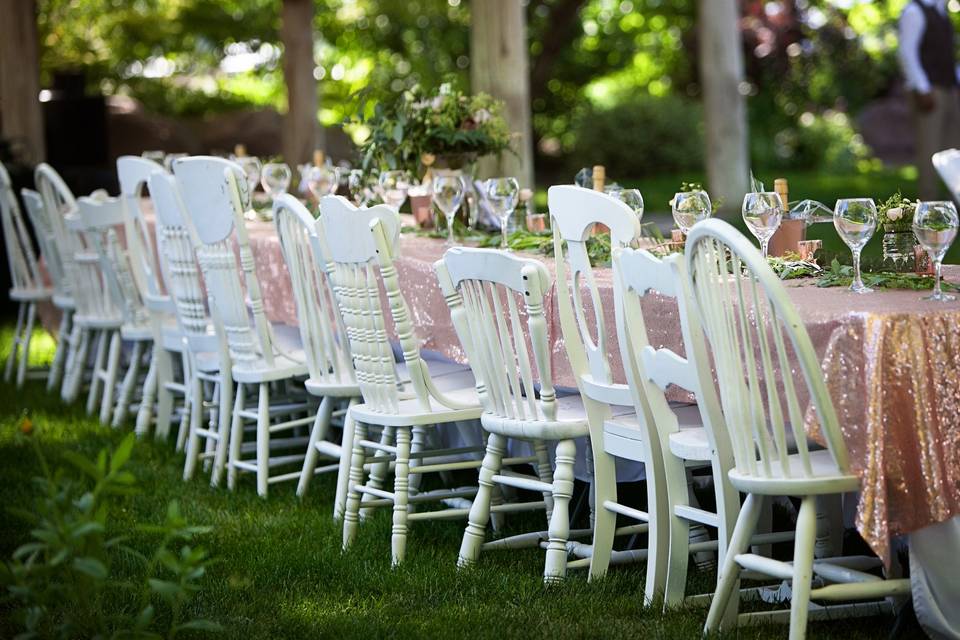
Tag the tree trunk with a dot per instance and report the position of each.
(500, 67)
(301, 133)
(721, 72)
(21, 117)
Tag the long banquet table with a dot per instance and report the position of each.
(891, 362)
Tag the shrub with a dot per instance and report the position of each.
(824, 141)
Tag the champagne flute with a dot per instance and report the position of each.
(855, 219)
(275, 178)
(762, 211)
(502, 194)
(393, 187)
(689, 208)
(447, 195)
(935, 225)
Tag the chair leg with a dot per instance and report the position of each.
(110, 384)
(803, 567)
(76, 364)
(729, 575)
(321, 427)
(678, 492)
(545, 473)
(193, 439)
(130, 379)
(417, 445)
(378, 470)
(25, 342)
(351, 514)
(346, 453)
(148, 396)
(99, 364)
(182, 428)
(12, 357)
(829, 526)
(401, 493)
(555, 568)
(604, 486)
(479, 517)
(263, 440)
(224, 415)
(60, 354)
(236, 433)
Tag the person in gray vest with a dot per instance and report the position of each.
(928, 57)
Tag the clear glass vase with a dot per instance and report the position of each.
(898, 251)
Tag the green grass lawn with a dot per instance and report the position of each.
(279, 571)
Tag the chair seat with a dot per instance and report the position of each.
(136, 332)
(624, 437)
(571, 421)
(64, 302)
(691, 443)
(98, 322)
(827, 479)
(30, 295)
(411, 413)
(284, 366)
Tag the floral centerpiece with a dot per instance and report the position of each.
(446, 128)
(895, 217)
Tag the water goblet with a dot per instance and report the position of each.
(322, 181)
(251, 169)
(393, 187)
(689, 208)
(633, 199)
(275, 179)
(502, 194)
(935, 225)
(447, 195)
(358, 184)
(762, 211)
(855, 219)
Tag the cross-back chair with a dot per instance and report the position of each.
(26, 278)
(515, 386)
(360, 245)
(325, 343)
(66, 370)
(216, 195)
(755, 332)
(205, 358)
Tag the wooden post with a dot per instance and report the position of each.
(500, 66)
(721, 73)
(301, 132)
(21, 117)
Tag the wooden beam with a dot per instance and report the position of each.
(301, 132)
(721, 74)
(500, 66)
(21, 118)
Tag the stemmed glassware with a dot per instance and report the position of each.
(359, 184)
(322, 180)
(275, 178)
(689, 208)
(855, 219)
(447, 195)
(633, 199)
(502, 194)
(935, 225)
(393, 187)
(762, 211)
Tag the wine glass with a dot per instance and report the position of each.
(633, 199)
(447, 195)
(275, 178)
(393, 187)
(322, 180)
(689, 208)
(502, 194)
(855, 219)
(762, 211)
(935, 225)
(584, 178)
(359, 190)
(251, 169)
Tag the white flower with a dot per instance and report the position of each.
(525, 194)
(446, 89)
(481, 116)
(437, 103)
(894, 214)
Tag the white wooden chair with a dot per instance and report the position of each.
(28, 287)
(160, 384)
(325, 343)
(205, 358)
(67, 369)
(753, 330)
(360, 245)
(481, 287)
(947, 164)
(216, 196)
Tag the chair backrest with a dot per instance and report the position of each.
(481, 287)
(322, 331)
(134, 173)
(649, 370)
(25, 272)
(215, 194)
(98, 294)
(947, 164)
(178, 259)
(59, 202)
(361, 245)
(745, 312)
(574, 212)
(43, 229)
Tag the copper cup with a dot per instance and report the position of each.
(536, 222)
(808, 249)
(788, 237)
(422, 207)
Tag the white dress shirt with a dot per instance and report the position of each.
(912, 25)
